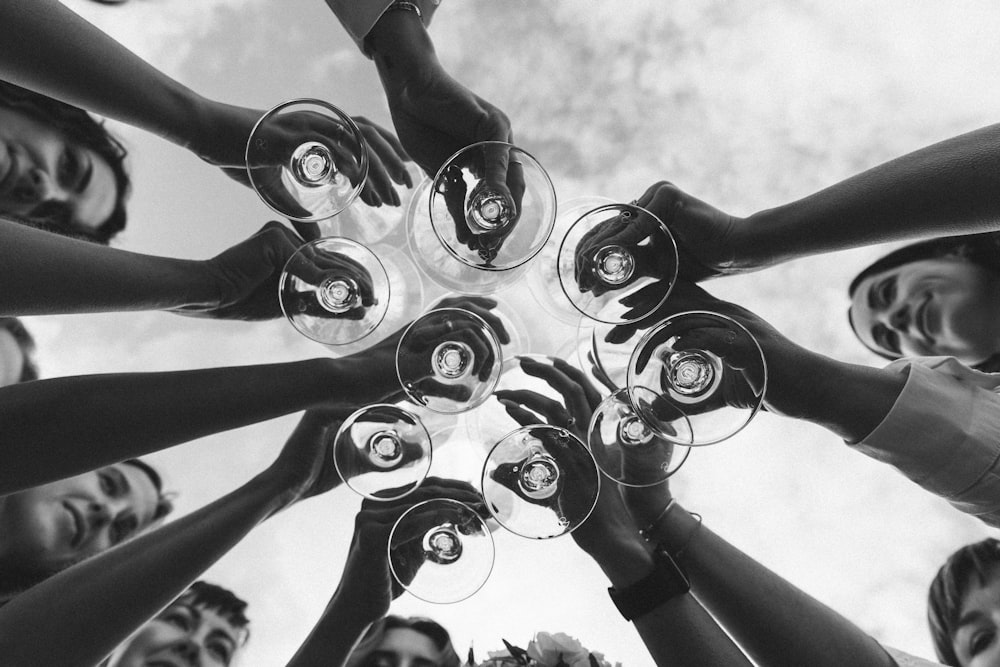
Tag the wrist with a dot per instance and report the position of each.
(624, 561)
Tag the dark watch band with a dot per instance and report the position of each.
(665, 582)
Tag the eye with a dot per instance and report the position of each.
(221, 650)
(886, 338)
(69, 166)
(122, 528)
(980, 641)
(112, 482)
(177, 618)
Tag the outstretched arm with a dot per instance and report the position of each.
(776, 623)
(124, 587)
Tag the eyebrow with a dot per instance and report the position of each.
(122, 480)
(968, 618)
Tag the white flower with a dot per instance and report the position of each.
(546, 649)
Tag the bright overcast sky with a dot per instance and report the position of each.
(745, 105)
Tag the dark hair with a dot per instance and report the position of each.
(973, 563)
(425, 626)
(979, 249)
(17, 578)
(82, 128)
(222, 601)
(25, 341)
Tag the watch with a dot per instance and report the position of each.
(665, 582)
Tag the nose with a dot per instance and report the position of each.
(98, 514)
(35, 185)
(899, 317)
(188, 651)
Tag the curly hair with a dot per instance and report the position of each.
(980, 249)
(972, 564)
(81, 128)
(432, 629)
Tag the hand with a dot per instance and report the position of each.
(653, 254)
(706, 237)
(305, 465)
(314, 267)
(246, 277)
(367, 578)
(228, 128)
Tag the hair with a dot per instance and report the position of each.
(82, 128)
(972, 564)
(980, 249)
(425, 626)
(222, 601)
(26, 342)
(17, 578)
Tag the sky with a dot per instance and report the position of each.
(744, 105)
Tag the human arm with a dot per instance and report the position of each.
(46, 47)
(776, 623)
(123, 587)
(944, 189)
(367, 587)
(678, 631)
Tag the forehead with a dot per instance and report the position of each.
(409, 643)
(209, 620)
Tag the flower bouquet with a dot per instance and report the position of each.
(545, 650)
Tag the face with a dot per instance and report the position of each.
(946, 306)
(403, 647)
(44, 175)
(977, 639)
(11, 359)
(183, 635)
(57, 524)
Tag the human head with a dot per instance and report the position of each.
(47, 528)
(17, 353)
(395, 641)
(963, 607)
(60, 170)
(205, 627)
(937, 297)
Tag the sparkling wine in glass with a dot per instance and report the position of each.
(540, 482)
(697, 378)
(441, 551)
(307, 160)
(334, 291)
(382, 452)
(612, 253)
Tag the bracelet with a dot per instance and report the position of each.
(647, 532)
(690, 537)
(407, 6)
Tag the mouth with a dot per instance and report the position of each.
(79, 525)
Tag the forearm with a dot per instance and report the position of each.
(945, 189)
(335, 635)
(64, 426)
(50, 49)
(44, 273)
(124, 587)
(679, 632)
(401, 48)
(775, 622)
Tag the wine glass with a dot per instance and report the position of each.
(540, 482)
(448, 360)
(334, 291)
(380, 448)
(609, 254)
(485, 215)
(441, 551)
(697, 378)
(376, 225)
(543, 274)
(307, 160)
(626, 449)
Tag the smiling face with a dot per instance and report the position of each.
(46, 176)
(976, 640)
(54, 525)
(185, 634)
(404, 647)
(944, 306)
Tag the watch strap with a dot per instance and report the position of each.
(665, 582)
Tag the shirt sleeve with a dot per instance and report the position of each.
(904, 659)
(359, 16)
(943, 432)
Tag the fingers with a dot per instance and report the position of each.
(592, 396)
(386, 146)
(519, 414)
(554, 412)
(574, 398)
